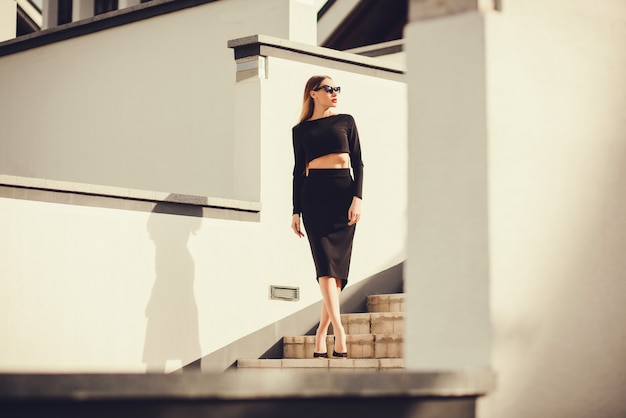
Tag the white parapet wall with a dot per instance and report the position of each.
(147, 105)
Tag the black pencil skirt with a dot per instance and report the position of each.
(326, 198)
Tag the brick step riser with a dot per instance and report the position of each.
(317, 365)
(367, 346)
(385, 303)
(373, 323)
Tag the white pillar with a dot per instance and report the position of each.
(8, 20)
(303, 21)
(447, 269)
(50, 13)
(82, 9)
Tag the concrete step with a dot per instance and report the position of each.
(386, 303)
(374, 323)
(330, 364)
(360, 346)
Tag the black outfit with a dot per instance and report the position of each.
(324, 196)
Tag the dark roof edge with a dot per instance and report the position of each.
(95, 24)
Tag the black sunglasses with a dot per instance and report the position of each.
(328, 89)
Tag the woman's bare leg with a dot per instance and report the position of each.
(331, 288)
(322, 331)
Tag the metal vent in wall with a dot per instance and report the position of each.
(284, 293)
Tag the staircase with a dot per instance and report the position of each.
(268, 389)
(375, 342)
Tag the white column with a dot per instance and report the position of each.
(447, 269)
(8, 20)
(82, 9)
(303, 21)
(122, 4)
(50, 13)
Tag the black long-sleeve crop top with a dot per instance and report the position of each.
(319, 137)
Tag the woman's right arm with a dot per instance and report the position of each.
(299, 168)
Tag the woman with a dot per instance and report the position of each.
(326, 145)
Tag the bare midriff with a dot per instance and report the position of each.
(337, 160)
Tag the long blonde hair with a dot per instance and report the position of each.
(307, 102)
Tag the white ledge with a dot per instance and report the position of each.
(247, 44)
(128, 194)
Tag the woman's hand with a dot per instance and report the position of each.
(295, 225)
(354, 213)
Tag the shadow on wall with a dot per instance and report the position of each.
(172, 333)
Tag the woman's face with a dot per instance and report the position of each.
(326, 94)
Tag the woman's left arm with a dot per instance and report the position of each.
(356, 161)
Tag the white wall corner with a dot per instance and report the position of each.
(247, 139)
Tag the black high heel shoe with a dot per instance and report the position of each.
(342, 355)
(320, 355)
